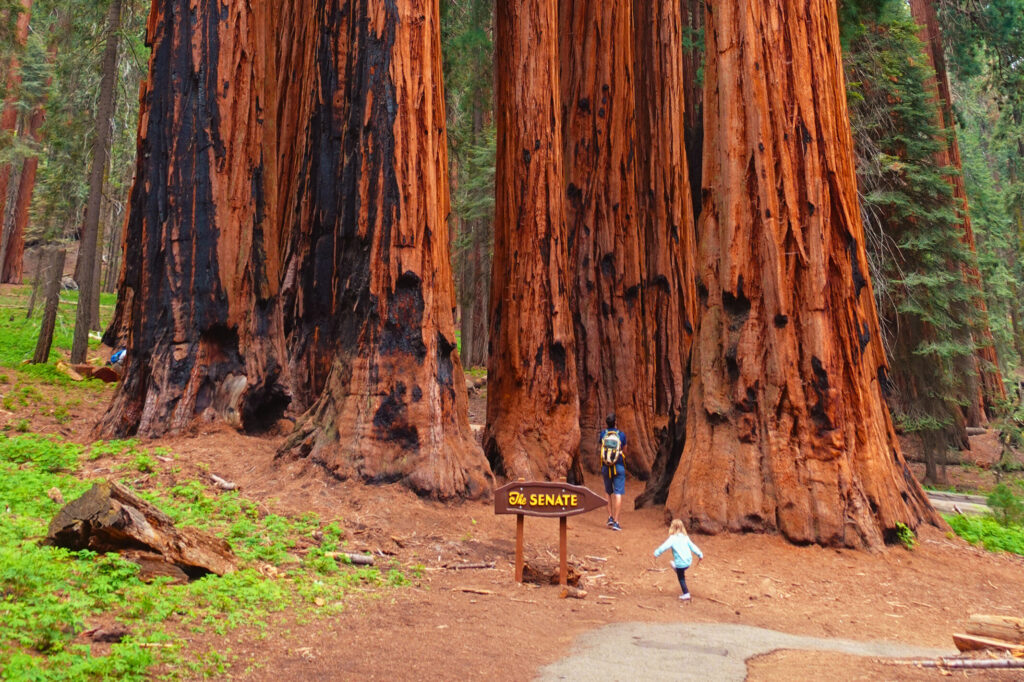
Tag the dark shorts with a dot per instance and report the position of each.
(616, 481)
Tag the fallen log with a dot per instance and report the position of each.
(109, 518)
(1005, 628)
(573, 592)
(966, 642)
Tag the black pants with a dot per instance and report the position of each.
(681, 574)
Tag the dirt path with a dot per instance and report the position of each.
(478, 623)
(696, 651)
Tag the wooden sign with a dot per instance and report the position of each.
(545, 498)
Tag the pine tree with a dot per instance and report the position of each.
(912, 224)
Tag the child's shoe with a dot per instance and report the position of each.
(684, 597)
(615, 525)
(610, 522)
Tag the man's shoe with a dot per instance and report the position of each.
(615, 526)
(684, 597)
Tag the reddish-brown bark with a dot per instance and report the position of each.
(605, 242)
(787, 428)
(203, 332)
(986, 364)
(376, 277)
(666, 219)
(9, 117)
(13, 267)
(532, 402)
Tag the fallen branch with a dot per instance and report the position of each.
(466, 567)
(475, 590)
(976, 663)
(223, 484)
(597, 558)
(575, 593)
(718, 601)
(357, 559)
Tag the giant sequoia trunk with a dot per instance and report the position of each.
(14, 255)
(605, 242)
(9, 124)
(373, 277)
(787, 428)
(532, 402)
(985, 365)
(666, 218)
(197, 304)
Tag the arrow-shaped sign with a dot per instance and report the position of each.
(545, 498)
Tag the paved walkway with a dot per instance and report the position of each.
(696, 651)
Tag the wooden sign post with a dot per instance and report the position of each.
(545, 498)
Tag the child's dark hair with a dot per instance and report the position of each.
(610, 420)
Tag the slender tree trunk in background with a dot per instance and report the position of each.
(605, 242)
(9, 117)
(692, 43)
(787, 428)
(35, 285)
(532, 403)
(97, 272)
(666, 218)
(114, 249)
(87, 289)
(986, 364)
(396, 383)
(54, 272)
(476, 280)
(201, 274)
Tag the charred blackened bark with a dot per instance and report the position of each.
(666, 218)
(373, 298)
(989, 382)
(605, 242)
(203, 332)
(787, 429)
(532, 403)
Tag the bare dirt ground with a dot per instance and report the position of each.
(478, 623)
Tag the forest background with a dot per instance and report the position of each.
(946, 272)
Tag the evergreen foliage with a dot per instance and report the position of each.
(914, 236)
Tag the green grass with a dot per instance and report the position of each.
(1003, 531)
(20, 334)
(989, 533)
(48, 595)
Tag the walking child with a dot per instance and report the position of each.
(683, 550)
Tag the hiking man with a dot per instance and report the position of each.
(613, 469)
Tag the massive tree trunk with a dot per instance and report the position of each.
(605, 245)
(986, 364)
(376, 278)
(88, 286)
(787, 428)
(666, 218)
(199, 284)
(533, 427)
